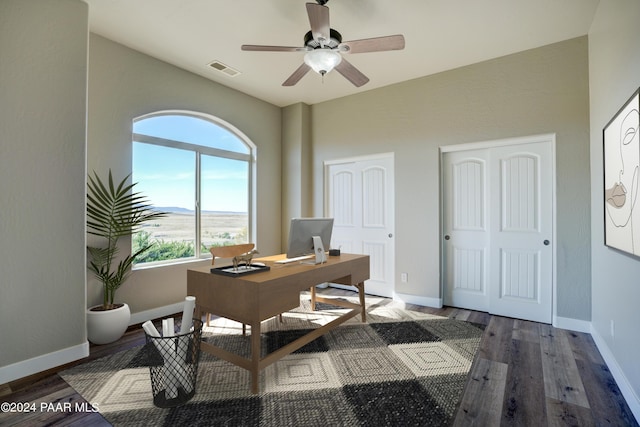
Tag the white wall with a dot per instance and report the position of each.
(43, 90)
(614, 74)
(539, 91)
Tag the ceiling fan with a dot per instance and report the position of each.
(323, 46)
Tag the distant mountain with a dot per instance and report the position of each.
(179, 210)
(172, 209)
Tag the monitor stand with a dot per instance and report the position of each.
(318, 249)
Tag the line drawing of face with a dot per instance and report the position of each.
(621, 197)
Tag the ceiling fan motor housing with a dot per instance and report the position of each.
(335, 38)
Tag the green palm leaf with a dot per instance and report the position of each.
(114, 211)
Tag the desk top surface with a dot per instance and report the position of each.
(280, 270)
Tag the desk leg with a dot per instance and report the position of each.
(255, 357)
(313, 298)
(360, 287)
(199, 312)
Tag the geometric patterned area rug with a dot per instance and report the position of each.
(401, 368)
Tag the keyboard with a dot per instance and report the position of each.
(295, 259)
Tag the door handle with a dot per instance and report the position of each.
(447, 237)
(390, 235)
(546, 243)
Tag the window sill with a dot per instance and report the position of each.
(160, 264)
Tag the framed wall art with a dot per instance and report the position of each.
(621, 178)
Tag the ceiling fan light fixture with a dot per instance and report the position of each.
(322, 60)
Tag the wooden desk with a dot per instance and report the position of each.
(256, 297)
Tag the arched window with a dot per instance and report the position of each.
(198, 169)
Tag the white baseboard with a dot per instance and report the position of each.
(623, 383)
(156, 313)
(51, 360)
(418, 300)
(42, 363)
(572, 324)
(403, 298)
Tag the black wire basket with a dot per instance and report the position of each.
(173, 366)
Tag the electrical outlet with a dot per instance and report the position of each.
(404, 277)
(613, 329)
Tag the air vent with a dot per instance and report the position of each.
(223, 68)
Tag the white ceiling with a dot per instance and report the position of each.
(440, 35)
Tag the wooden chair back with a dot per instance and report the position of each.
(230, 251)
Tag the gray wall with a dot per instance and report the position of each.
(43, 90)
(296, 159)
(543, 90)
(614, 74)
(125, 84)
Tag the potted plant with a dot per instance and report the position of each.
(113, 211)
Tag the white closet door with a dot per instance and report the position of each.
(466, 225)
(498, 224)
(522, 256)
(360, 198)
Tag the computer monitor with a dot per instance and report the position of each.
(302, 232)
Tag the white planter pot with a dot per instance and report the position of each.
(104, 327)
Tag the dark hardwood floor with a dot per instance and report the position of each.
(525, 374)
